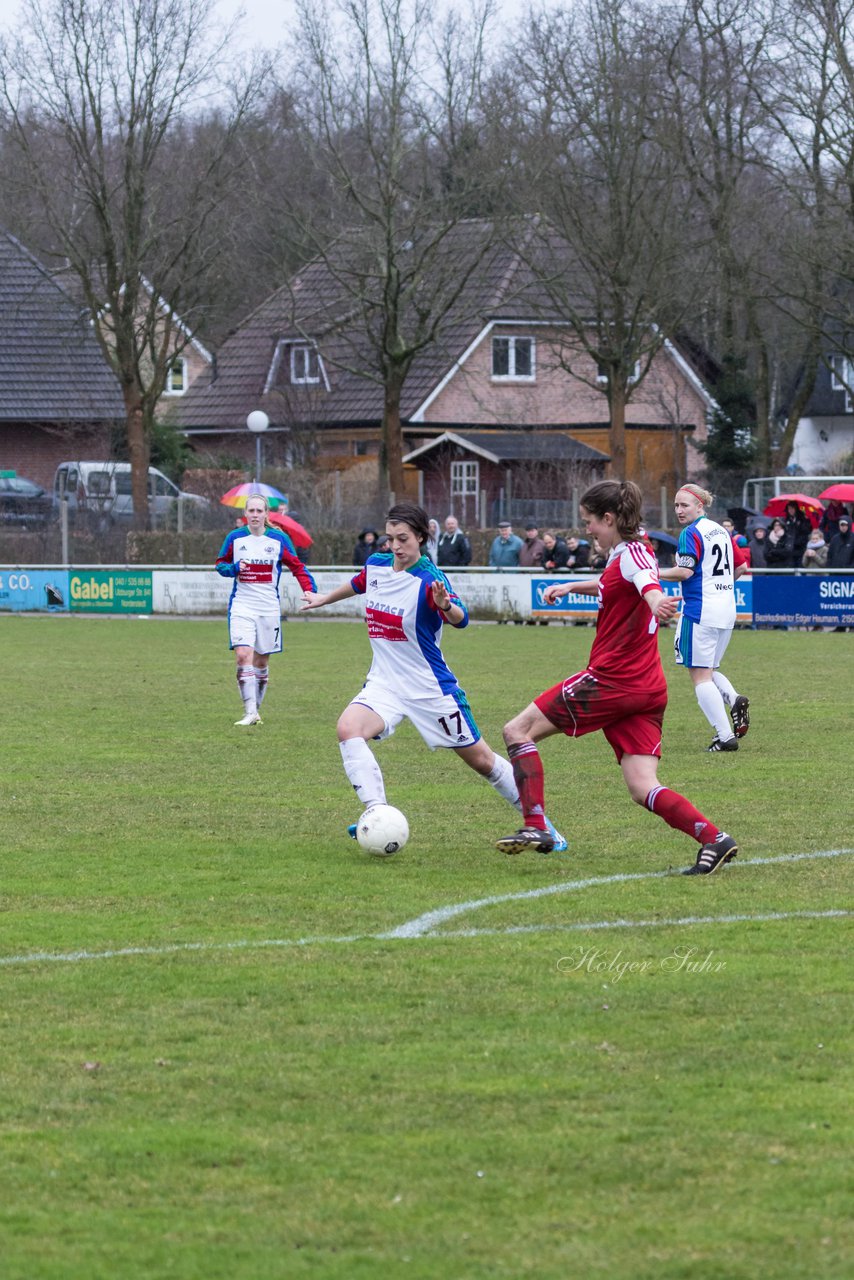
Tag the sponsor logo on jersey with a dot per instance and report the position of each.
(255, 572)
(383, 623)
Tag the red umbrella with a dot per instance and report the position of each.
(810, 506)
(298, 535)
(839, 493)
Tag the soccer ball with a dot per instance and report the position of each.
(382, 830)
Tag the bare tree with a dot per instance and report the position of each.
(95, 92)
(391, 108)
(729, 74)
(812, 106)
(614, 249)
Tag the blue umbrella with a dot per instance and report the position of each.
(658, 535)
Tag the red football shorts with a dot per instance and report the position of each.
(630, 719)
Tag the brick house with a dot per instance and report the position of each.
(59, 398)
(503, 362)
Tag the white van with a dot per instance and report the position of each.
(102, 490)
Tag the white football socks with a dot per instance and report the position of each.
(727, 691)
(363, 771)
(262, 675)
(248, 686)
(505, 784)
(712, 707)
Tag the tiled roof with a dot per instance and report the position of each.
(314, 304)
(529, 444)
(499, 281)
(51, 366)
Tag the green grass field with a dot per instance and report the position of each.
(224, 1056)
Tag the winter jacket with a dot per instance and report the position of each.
(840, 551)
(454, 549)
(504, 552)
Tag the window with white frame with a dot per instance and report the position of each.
(842, 378)
(305, 365)
(513, 359)
(465, 480)
(176, 378)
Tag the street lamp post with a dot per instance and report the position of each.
(257, 422)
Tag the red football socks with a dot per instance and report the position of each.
(528, 775)
(680, 813)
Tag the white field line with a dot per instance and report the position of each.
(424, 926)
(431, 920)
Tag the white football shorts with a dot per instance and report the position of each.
(697, 645)
(261, 632)
(443, 720)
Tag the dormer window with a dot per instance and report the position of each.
(176, 378)
(305, 364)
(296, 363)
(513, 359)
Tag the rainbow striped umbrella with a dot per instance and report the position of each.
(241, 493)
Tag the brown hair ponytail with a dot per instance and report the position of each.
(623, 499)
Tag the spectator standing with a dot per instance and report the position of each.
(829, 523)
(777, 550)
(454, 547)
(505, 549)
(840, 550)
(797, 527)
(756, 547)
(532, 548)
(431, 546)
(556, 554)
(578, 552)
(365, 546)
(815, 555)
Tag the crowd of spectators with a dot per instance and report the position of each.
(786, 542)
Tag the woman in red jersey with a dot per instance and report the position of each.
(622, 691)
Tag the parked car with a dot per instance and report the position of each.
(23, 504)
(102, 490)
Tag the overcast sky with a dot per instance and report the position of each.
(267, 22)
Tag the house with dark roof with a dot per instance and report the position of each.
(59, 398)
(824, 439)
(503, 361)
(487, 476)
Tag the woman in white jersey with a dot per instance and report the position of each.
(707, 564)
(407, 600)
(254, 556)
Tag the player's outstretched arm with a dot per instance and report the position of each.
(316, 599)
(661, 606)
(557, 590)
(676, 573)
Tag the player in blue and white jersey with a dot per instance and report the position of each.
(707, 564)
(407, 601)
(254, 557)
